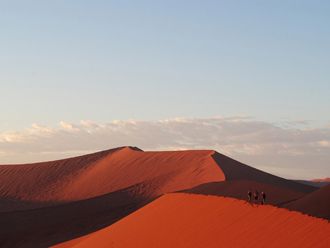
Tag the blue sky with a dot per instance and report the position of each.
(146, 60)
(62, 62)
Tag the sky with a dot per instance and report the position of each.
(118, 64)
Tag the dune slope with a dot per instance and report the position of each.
(185, 220)
(316, 203)
(50, 225)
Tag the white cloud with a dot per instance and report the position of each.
(69, 127)
(294, 148)
(324, 143)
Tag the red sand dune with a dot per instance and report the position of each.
(102, 173)
(65, 199)
(316, 203)
(49, 183)
(183, 220)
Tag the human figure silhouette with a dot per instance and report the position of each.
(256, 196)
(263, 197)
(249, 195)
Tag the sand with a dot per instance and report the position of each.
(46, 203)
(183, 220)
(316, 203)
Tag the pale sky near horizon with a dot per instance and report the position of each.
(157, 60)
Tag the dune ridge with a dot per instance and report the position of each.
(186, 220)
(238, 189)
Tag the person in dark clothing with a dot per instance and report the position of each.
(263, 197)
(256, 196)
(249, 196)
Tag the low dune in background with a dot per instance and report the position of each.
(316, 203)
(185, 220)
(327, 180)
(46, 203)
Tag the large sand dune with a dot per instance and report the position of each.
(58, 182)
(104, 172)
(46, 203)
(183, 220)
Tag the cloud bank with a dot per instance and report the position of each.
(289, 149)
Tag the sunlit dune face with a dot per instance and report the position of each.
(183, 220)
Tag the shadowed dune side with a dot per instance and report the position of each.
(235, 170)
(50, 225)
(238, 189)
(184, 220)
(316, 203)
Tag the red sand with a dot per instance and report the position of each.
(102, 173)
(41, 184)
(65, 199)
(316, 203)
(183, 220)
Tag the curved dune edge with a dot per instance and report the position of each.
(187, 220)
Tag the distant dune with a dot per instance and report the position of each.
(183, 220)
(316, 182)
(312, 183)
(46, 203)
(315, 204)
(327, 180)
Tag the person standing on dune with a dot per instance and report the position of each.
(263, 197)
(249, 195)
(256, 196)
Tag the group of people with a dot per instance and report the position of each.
(256, 197)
